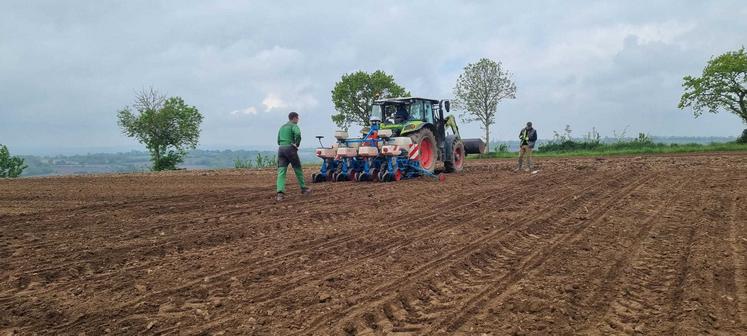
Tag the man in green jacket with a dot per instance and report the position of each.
(289, 138)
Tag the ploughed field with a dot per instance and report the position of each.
(635, 245)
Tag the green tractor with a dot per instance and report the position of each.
(424, 122)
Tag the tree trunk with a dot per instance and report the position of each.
(156, 164)
(487, 139)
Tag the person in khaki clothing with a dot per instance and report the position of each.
(528, 137)
(289, 138)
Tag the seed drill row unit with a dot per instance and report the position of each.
(376, 157)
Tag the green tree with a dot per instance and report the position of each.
(355, 93)
(723, 85)
(167, 127)
(478, 91)
(10, 166)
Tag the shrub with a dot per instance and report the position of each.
(243, 164)
(261, 161)
(564, 142)
(501, 148)
(10, 166)
(743, 138)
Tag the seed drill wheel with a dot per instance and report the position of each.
(374, 175)
(391, 176)
(340, 177)
(457, 155)
(426, 142)
(361, 177)
(317, 178)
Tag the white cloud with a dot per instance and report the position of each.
(272, 101)
(295, 101)
(251, 110)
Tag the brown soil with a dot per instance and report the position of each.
(638, 245)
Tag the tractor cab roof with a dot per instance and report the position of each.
(404, 100)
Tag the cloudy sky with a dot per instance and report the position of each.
(66, 67)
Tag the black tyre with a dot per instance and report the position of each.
(317, 178)
(458, 156)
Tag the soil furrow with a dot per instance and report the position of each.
(586, 246)
(429, 268)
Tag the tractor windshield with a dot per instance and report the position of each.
(398, 113)
(416, 110)
(376, 113)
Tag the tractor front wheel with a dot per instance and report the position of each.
(456, 165)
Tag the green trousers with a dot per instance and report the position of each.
(282, 171)
(289, 155)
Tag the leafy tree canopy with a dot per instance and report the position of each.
(355, 93)
(722, 86)
(478, 91)
(167, 126)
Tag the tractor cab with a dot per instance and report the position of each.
(404, 115)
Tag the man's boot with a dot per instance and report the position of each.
(529, 165)
(306, 191)
(521, 163)
(279, 197)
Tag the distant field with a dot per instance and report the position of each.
(137, 161)
(612, 149)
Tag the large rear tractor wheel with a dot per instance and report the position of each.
(426, 142)
(457, 157)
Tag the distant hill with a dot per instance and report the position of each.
(139, 161)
